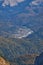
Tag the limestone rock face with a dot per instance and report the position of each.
(3, 61)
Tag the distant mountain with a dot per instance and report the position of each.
(16, 24)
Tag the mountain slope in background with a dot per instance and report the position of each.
(15, 24)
